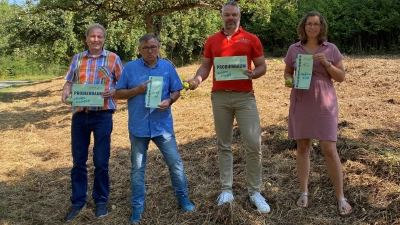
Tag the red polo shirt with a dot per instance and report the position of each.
(241, 43)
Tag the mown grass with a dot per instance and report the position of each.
(36, 159)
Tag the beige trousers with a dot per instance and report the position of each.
(227, 106)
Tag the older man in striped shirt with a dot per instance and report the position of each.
(101, 68)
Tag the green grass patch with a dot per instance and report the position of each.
(31, 78)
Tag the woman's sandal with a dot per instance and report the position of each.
(301, 201)
(342, 209)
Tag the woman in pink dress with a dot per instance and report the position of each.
(313, 112)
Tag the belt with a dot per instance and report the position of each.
(223, 90)
(96, 111)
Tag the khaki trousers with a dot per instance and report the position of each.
(228, 105)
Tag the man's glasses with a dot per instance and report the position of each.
(316, 25)
(152, 48)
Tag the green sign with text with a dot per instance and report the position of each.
(87, 95)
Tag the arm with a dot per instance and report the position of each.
(132, 92)
(117, 71)
(67, 89)
(335, 71)
(167, 102)
(202, 73)
(259, 70)
(174, 96)
(108, 93)
(288, 74)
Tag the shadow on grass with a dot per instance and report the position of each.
(19, 117)
(6, 96)
(36, 112)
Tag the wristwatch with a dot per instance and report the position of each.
(172, 101)
(329, 65)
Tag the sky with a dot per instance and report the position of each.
(19, 2)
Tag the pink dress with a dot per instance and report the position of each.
(313, 113)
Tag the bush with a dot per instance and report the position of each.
(23, 67)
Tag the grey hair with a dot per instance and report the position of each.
(231, 3)
(148, 37)
(96, 25)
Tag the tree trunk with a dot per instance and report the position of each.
(153, 24)
(149, 23)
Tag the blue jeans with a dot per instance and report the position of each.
(168, 147)
(83, 124)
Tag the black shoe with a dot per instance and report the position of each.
(101, 211)
(74, 212)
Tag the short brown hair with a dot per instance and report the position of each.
(323, 34)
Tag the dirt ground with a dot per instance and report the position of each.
(36, 160)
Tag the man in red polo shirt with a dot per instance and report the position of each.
(230, 53)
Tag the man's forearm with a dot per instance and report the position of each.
(126, 93)
(202, 74)
(67, 90)
(259, 71)
(67, 87)
(175, 95)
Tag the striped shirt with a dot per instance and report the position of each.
(87, 69)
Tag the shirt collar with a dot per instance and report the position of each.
(145, 64)
(103, 53)
(298, 44)
(238, 31)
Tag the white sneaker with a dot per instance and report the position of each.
(224, 197)
(259, 201)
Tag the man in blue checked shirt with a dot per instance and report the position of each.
(149, 122)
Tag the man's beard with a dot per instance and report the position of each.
(229, 25)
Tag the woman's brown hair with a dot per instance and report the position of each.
(323, 34)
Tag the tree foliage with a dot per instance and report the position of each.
(147, 13)
(61, 24)
(49, 32)
(275, 24)
(186, 32)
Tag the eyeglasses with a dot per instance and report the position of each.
(316, 25)
(152, 48)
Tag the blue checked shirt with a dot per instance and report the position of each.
(149, 122)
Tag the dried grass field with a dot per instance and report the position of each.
(35, 158)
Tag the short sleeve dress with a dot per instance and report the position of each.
(313, 113)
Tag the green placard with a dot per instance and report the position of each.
(87, 95)
(153, 92)
(303, 72)
(230, 68)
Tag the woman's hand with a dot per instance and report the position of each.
(289, 82)
(321, 57)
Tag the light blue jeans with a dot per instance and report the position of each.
(168, 147)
